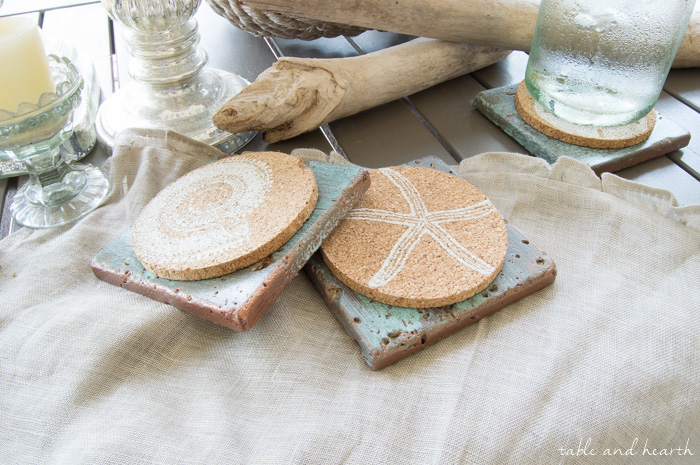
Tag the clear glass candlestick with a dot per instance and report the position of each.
(172, 87)
(58, 190)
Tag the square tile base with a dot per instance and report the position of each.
(238, 300)
(388, 333)
(498, 105)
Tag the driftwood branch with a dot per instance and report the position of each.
(507, 24)
(297, 95)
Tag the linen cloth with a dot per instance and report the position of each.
(604, 360)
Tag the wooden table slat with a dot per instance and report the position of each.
(689, 119)
(684, 85)
(663, 173)
(230, 48)
(507, 72)
(336, 47)
(386, 135)
(92, 40)
(13, 7)
(372, 41)
(311, 140)
(448, 108)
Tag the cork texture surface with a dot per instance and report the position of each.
(418, 238)
(224, 216)
(498, 105)
(588, 136)
(238, 300)
(386, 334)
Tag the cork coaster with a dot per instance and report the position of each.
(240, 299)
(224, 216)
(587, 136)
(418, 238)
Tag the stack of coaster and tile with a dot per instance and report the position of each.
(423, 255)
(223, 241)
(604, 149)
(408, 255)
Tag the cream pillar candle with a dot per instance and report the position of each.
(24, 69)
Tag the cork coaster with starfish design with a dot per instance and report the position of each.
(418, 238)
(224, 216)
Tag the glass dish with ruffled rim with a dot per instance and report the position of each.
(58, 191)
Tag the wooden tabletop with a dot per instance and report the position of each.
(439, 121)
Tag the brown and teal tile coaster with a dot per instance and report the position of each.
(238, 300)
(387, 333)
(498, 105)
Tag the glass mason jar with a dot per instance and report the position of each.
(604, 62)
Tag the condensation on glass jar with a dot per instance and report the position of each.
(604, 62)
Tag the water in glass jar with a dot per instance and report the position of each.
(604, 63)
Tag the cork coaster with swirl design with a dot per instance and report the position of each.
(418, 238)
(224, 216)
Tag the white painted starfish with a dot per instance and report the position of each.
(419, 222)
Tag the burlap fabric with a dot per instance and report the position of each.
(604, 360)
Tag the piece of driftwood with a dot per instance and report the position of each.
(507, 24)
(296, 95)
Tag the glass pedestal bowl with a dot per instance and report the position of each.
(58, 191)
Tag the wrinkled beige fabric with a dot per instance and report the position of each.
(604, 360)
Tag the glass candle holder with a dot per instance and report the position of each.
(172, 87)
(58, 191)
(84, 136)
(604, 62)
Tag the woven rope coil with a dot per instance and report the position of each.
(267, 23)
